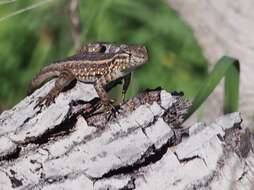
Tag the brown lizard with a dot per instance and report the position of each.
(97, 63)
(105, 47)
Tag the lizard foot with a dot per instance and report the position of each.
(111, 111)
(108, 108)
(45, 100)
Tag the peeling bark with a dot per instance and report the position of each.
(65, 146)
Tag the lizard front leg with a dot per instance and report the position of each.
(101, 83)
(126, 83)
(64, 79)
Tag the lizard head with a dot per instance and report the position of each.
(107, 47)
(137, 54)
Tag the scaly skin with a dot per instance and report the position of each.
(97, 63)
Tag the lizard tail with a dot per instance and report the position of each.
(44, 75)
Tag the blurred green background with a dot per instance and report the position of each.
(43, 33)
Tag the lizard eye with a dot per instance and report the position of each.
(103, 48)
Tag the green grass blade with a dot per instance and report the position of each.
(230, 68)
(231, 88)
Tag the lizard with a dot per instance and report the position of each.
(105, 47)
(96, 63)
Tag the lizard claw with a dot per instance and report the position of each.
(45, 100)
(108, 108)
(112, 111)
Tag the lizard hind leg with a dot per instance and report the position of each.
(64, 79)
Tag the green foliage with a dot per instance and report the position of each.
(230, 69)
(43, 34)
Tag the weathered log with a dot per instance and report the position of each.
(142, 146)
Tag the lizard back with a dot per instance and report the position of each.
(85, 67)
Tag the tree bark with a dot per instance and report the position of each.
(224, 27)
(65, 146)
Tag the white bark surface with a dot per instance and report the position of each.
(224, 27)
(63, 147)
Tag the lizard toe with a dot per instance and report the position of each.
(39, 102)
(45, 100)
